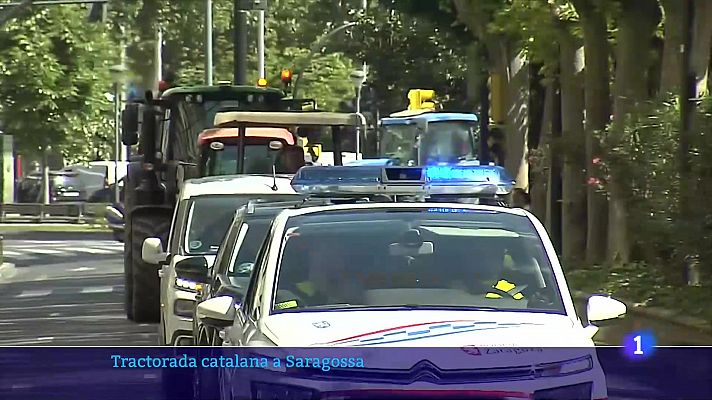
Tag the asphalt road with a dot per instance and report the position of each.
(66, 293)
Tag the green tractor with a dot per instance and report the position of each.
(166, 130)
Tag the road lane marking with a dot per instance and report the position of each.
(93, 305)
(10, 253)
(46, 251)
(33, 293)
(93, 251)
(81, 269)
(90, 318)
(98, 289)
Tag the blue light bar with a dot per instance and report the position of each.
(454, 180)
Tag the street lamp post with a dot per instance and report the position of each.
(359, 77)
(117, 74)
(315, 48)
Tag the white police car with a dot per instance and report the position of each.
(204, 212)
(481, 279)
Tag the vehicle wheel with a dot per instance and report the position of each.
(215, 339)
(128, 277)
(203, 337)
(146, 284)
(161, 332)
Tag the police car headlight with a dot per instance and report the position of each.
(190, 286)
(578, 391)
(575, 366)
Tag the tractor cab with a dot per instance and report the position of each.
(219, 153)
(430, 138)
(268, 142)
(425, 135)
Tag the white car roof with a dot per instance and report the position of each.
(236, 184)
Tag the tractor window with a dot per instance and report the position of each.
(398, 141)
(448, 142)
(258, 159)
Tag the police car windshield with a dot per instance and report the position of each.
(255, 233)
(210, 216)
(427, 258)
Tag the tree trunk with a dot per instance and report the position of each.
(701, 43)
(597, 102)
(674, 30)
(540, 166)
(574, 176)
(636, 27)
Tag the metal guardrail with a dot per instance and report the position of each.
(79, 213)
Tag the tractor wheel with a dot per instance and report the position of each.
(146, 283)
(128, 276)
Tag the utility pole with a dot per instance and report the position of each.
(261, 42)
(209, 42)
(158, 57)
(240, 54)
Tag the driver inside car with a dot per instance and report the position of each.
(328, 280)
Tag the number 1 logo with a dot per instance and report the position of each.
(638, 343)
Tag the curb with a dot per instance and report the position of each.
(657, 313)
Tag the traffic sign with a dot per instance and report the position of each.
(252, 5)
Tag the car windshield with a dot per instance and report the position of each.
(448, 142)
(254, 232)
(415, 258)
(210, 216)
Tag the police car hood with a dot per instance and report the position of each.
(421, 328)
(497, 337)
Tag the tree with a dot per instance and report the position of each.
(55, 77)
(636, 24)
(597, 103)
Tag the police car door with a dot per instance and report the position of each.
(249, 314)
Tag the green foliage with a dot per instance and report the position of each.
(647, 161)
(535, 27)
(406, 52)
(54, 69)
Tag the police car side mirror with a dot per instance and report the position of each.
(604, 308)
(218, 312)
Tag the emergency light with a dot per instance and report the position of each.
(452, 181)
(286, 76)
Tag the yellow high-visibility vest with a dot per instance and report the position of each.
(505, 286)
(306, 288)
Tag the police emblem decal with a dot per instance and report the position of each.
(321, 324)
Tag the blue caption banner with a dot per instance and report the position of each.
(176, 373)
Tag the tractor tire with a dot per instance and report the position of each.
(128, 276)
(145, 303)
